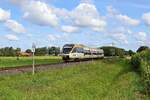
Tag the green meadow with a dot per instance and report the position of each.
(97, 80)
(23, 61)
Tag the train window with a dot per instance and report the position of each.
(87, 52)
(96, 53)
(77, 50)
(80, 50)
(74, 50)
(93, 52)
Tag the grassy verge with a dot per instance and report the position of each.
(99, 80)
(13, 62)
(141, 64)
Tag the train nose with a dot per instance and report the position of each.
(66, 57)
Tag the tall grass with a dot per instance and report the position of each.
(97, 80)
(141, 63)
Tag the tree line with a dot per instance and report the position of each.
(115, 51)
(10, 51)
(108, 51)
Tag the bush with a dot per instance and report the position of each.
(130, 52)
(142, 48)
(146, 76)
(9, 51)
(113, 51)
(136, 62)
(141, 62)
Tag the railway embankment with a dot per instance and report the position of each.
(102, 79)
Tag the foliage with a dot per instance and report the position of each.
(141, 61)
(142, 48)
(47, 51)
(136, 62)
(9, 51)
(54, 50)
(28, 51)
(130, 52)
(41, 51)
(86, 81)
(113, 51)
(145, 69)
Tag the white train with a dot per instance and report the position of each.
(75, 52)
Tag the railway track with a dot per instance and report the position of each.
(41, 67)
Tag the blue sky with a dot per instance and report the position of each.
(95, 23)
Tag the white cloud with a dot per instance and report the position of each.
(29, 35)
(120, 37)
(111, 11)
(146, 18)
(69, 29)
(127, 20)
(118, 34)
(4, 15)
(141, 36)
(129, 31)
(15, 26)
(98, 29)
(19, 2)
(55, 37)
(86, 15)
(52, 37)
(61, 12)
(86, 1)
(11, 37)
(123, 19)
(40, 13)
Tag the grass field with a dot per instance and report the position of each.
(98, 80)
(13, 62)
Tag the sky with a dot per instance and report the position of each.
(95, 23)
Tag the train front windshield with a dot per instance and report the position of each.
(66, 50)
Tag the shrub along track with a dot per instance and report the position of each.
(40, 67)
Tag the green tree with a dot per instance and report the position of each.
(113, 51)
(130, 52)
(142, 48)
(54, 50)
(28, 51)
(41, 51)
(8, 51)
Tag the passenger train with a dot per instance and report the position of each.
(76, 52)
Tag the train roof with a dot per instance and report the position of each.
(81, 45)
